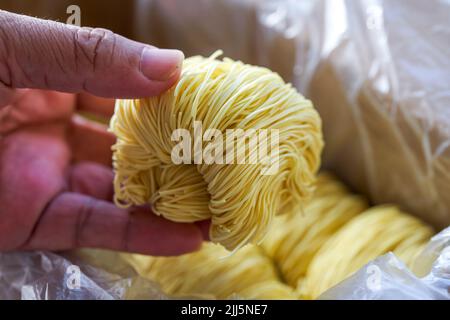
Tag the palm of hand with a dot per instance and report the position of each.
(49, 202)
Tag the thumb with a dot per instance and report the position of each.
(44, 54)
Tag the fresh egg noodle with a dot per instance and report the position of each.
(375, 232)
(303, 254)
(293, 242)
(213, 272)
(221, 94)
(339, 234)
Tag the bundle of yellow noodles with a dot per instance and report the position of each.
(303, 254)
(377, 231)
(338, 235)
(240, 198)
(213, 272)
(295, 239)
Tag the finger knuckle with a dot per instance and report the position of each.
(86, 211)
(90, 44)
(5, 68)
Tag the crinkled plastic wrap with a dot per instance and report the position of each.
(377, 71)
(382, 89)
(48, 276)
(388, 278)
(76, 276)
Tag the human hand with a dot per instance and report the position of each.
(55, 175)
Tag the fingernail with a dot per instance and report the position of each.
(161, 64)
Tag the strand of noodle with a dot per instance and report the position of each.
(239, 200)
(294, 240)
(212, 271)
(375, 232)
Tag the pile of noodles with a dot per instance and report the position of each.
(303, 255)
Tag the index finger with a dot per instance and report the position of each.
(77, 221)
(42, 54)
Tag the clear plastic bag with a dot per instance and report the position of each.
(48, 276)
(388, 278)
(104, 275)
(381, 86)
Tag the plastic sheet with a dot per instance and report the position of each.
(104, 275)
(47, 276)
(381, 86)
(388, 278)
